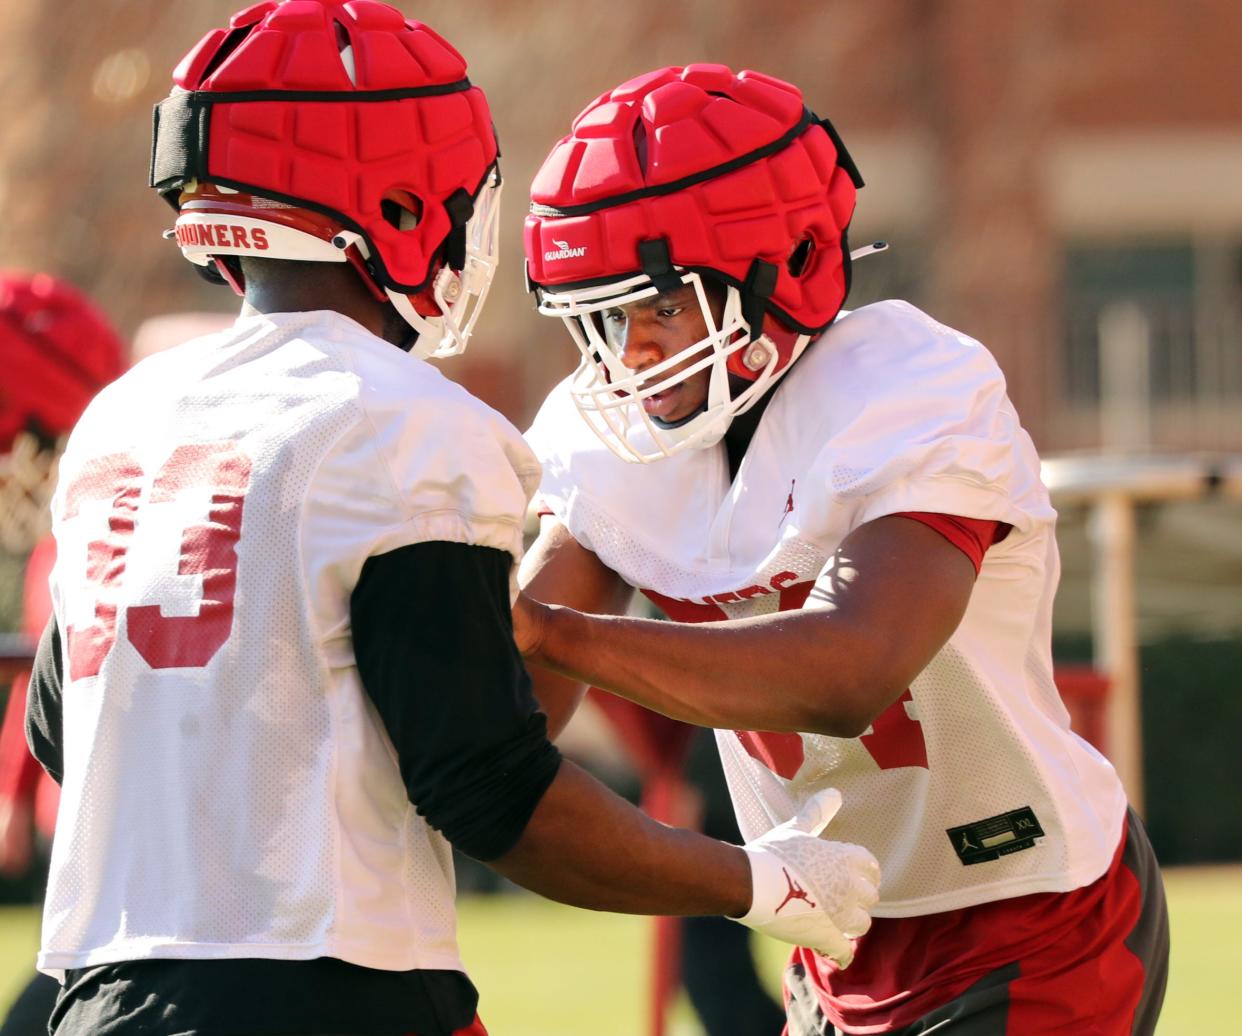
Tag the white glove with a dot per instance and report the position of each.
(808, 891)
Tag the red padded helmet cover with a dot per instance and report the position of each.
(287, 121)
(57, 351)
(645, 161)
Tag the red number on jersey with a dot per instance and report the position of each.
(116, 478)
(896, 738)
(208, 550)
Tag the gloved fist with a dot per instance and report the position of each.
(808, 891)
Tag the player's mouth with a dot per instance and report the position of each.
(663, 404)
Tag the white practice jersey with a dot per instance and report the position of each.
(229, 789)
(971, 787)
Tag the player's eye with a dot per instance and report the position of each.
(668, 312)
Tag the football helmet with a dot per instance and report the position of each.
(59, 351)
(337, 131)
(677, 176)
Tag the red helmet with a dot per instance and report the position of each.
(681, 174)
(58, 351)
(341, 132)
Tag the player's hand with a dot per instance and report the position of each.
(528, 620)
(809, 891)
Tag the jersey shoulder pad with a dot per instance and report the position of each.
(460, 469)
(911, 415)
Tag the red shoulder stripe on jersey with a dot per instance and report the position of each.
(972, 536)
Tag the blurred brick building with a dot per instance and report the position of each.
(1059, 179)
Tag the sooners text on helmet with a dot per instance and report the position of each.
(221, 235)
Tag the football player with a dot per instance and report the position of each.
(280, 677)
(847, 505)
(59, 351)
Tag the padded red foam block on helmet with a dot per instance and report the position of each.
(57, 349)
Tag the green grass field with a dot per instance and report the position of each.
(545, 970)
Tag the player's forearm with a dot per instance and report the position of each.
(590, 848)
(788, 672)
(558, 697)
(559, 569)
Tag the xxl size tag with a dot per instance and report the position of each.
(995, 837)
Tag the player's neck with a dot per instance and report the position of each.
(288, 287)
(742, 430)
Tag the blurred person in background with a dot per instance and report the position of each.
(718, 968)
(845, 517)
(58, 351)
(279, 679)
(681, 783)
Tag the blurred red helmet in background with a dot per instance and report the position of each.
(57, 351)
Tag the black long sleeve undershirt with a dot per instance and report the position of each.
(43, 704)
(433, 640)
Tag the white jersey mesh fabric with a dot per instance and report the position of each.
(229, 790)
(888, 412)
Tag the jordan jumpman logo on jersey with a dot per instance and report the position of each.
(788, 504)
(796, 891)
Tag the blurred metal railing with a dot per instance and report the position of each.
(1111, 486)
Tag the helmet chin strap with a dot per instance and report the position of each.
(426, 332)
(438, 336)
